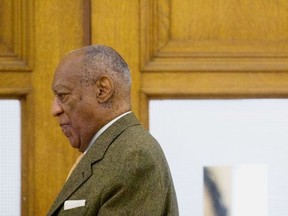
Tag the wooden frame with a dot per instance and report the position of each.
(161, 52)
(192, 68)
(16, 39)
(15, 83)
(209, 85)
(27, 145)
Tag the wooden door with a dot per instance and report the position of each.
(175, 49)
(34, 35)
(197, 49)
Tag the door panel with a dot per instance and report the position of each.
(58, 29)
(116, 24)
(175, 49)
(224, 49)
(34, 36)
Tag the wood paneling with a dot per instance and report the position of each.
(34, 36)
(16, 60)
(215, 49)
(16, 35)
(116, 24)
(180, 35)
(214, 85)
(175, 49)
(14, 84)
(58, 29)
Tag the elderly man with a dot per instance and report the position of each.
(122, 170)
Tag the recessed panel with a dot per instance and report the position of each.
(184, 35)
(6, 26)
(16, 29)
(232, 20)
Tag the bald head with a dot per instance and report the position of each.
(94, 61)
(92, 87)
(99, 60)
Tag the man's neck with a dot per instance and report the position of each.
(104, 128)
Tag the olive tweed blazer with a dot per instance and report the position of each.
(123, 173)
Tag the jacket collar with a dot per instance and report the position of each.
(97, 151)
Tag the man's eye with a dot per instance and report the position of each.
(61, 96)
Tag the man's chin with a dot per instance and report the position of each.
(77, 144)
(74, 144)
(82, 148)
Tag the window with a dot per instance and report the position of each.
(10, 158)
(241, 134)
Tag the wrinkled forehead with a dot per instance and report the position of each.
(71, 63)
(70, 67)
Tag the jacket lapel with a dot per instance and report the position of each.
(79, 175)
(97, 151)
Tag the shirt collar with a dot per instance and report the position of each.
(104, 128)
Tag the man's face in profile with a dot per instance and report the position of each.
(73, 103)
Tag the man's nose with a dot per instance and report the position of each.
(56, 109)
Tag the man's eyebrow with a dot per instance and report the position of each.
(59, 88)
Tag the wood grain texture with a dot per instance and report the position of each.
(229, 20)
(34, 36)
(116, 24)
(16, 35)
(191, 36)
(16, 62)
(59, 29)
(175, 49)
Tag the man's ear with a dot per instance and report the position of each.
(105, 88)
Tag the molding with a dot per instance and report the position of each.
(86, 22)
(147, 94)
(16, 36)
(160, 52)
(14, 92)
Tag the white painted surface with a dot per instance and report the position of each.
(10, 158)
(198, 133)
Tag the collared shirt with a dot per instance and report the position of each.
(104, 128)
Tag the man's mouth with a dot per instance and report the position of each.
(66, 129)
